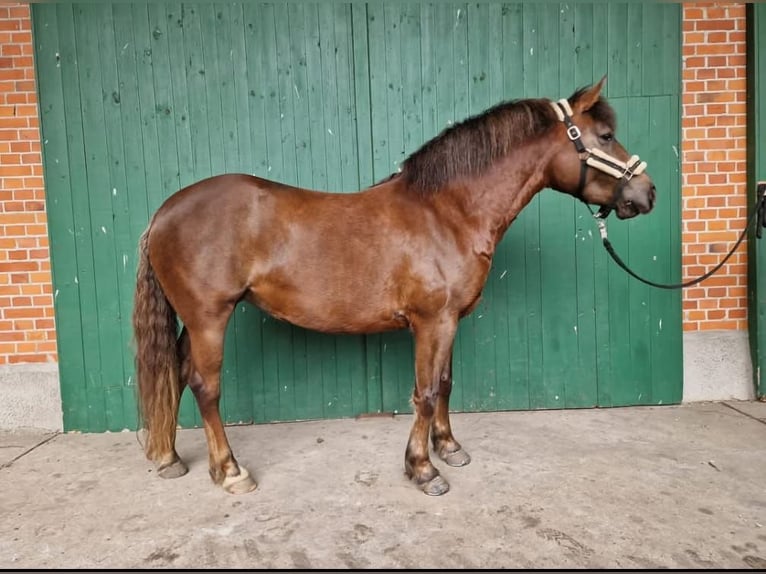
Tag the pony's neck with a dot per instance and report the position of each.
(491, 202)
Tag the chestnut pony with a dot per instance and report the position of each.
(411, 252)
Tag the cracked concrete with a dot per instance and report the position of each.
(646, 487)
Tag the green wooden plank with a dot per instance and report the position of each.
(429, 63)
(671, 49)
(196, 93)
(635, 63)
(174, 30)
(600, 43)
(360, 106)
(92, 208)
(577, 28)
(617, 17)
(652, 49)
(412, 85)
(377, 91)
(243, 159)
(92, 407)
(120, 393)
(641, 258)
(148, 106)
(513, 50)
(59, 207)
(667, 366)
(393, 51)
(495, 55)
(163, 93)
(619, 297)
(443, 50)
(326, 154)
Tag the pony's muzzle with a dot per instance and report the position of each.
(638, 197)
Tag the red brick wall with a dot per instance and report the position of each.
(713, 172)
(713, 168)
(27, 331)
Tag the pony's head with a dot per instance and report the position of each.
(591, 164)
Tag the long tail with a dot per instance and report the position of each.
(157, 365)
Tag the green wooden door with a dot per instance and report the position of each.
(139, 100)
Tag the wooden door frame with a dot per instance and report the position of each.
(756, 172)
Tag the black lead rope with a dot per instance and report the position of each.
(759, 213)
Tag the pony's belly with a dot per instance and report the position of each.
(327, 315)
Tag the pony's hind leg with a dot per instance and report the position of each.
(204, 381)
(433, 344)
(445, 445)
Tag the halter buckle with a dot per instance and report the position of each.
(574, 132)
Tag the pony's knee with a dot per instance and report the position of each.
(425, 402)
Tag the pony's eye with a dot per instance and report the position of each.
(607, 137)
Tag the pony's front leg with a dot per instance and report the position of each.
(445, 445)
(433, 347)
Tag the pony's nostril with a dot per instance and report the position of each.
(652, 195)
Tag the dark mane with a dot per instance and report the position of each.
(470, 147)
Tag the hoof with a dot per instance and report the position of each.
(173, 470)
(240, 484)
(458, 458)
(436, 486)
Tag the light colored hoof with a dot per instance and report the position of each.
(173, 470)
(436, 486)
(240, 484)
(458, 458)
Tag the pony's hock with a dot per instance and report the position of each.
(413, 251)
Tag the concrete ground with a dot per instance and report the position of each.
(677, 486)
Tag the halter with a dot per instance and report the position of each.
(595, 158)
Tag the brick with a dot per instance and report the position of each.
(17, 266)
(714, 24)
(22, 313)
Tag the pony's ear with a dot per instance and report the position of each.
(589, 97)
